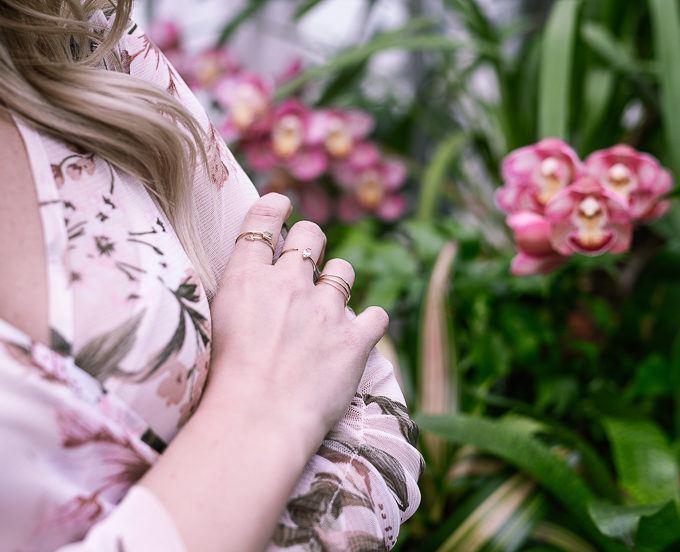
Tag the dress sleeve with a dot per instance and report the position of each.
(138, 524)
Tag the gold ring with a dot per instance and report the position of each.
(306, 254)
(253, 235)
(338, 282)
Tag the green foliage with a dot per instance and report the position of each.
(567, 431)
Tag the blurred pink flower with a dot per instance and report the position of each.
(339, 130)
(313, 201)
(372, 184)
(166, 35)
(287, 144)
(535, 251)
(588, 219)
(637, 177)
(246, 99)
(534, 174)
(208, 67)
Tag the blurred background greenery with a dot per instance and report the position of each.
(549, 405)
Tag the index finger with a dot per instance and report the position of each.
(267, 214)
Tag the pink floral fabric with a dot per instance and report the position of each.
(83, 419)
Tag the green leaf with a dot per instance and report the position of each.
(560, 537)
(491, 515)
(645, 464)
(658, 531)
(556, 68)
(666, 33)
(600, 39)
(435, 174)
(253, 7)
(528, 454)
(400, 39)
(620, 522)
(304, 8)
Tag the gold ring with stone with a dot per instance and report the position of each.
(306, 254)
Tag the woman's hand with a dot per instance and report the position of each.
(279, 339)
(286, 362)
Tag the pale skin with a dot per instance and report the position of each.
(285, 365)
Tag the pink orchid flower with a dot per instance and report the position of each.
(372, 184)
(339, 130)
(637, 177)
(166, 35)
(309, 197)
(534, 174)
(588, 219)
(246, 98)
(208, 67)
(536, 254)
(287, 144)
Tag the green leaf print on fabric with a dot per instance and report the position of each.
(358, 454)
(102, 355)
(315, 514)
(187, 291)
(407, 427)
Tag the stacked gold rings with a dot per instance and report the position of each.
(338, 282)
(306, 254)
(264, 237)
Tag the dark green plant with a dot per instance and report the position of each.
(559, 427)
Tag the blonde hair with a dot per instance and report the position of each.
(49, 53)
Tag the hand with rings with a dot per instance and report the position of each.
(280, 332)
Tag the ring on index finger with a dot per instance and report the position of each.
(306, 254)
(253, 235)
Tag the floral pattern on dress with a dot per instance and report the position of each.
(128, 310)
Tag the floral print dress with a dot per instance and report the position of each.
(82, 420)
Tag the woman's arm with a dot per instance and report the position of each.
(286, 364)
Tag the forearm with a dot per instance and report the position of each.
(226, 477)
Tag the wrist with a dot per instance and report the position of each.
(262, 406)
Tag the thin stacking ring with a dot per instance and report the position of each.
(306, 254)
(253, 235)
(338, 282)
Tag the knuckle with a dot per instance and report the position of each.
(266, 212)
(311, 228)
(342, 266)
(382, 319)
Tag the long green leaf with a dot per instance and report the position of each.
(253, 7)
(401, 39)
(435, 174)
(645, 464)
(666, 33)
(490, 516)
(530, 455)
(600, 39)
(562, 538)
(556, 68)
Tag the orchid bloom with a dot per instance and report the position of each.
(636, 177)
(312, 199)
(339, 131)
(287, 144)
(166, 35)
(372, 183)
(246, 99)
(209, 66)
(588, 219)
(534, 174)
(535, 251)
